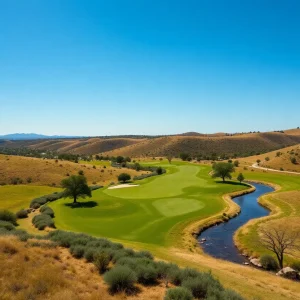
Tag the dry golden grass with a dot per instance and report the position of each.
(76, 146)
(35, 272)
(192, 143)
(49, 172)
(240, 143)
(281, 162)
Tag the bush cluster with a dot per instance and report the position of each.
(268, 262)
(8, 216)
(22, 214)
(42, 221)
(47, 210)
(123, 267)
(37, 202)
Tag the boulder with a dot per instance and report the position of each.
(288, 272)
(256, 262)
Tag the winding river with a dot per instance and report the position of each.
(219, 239)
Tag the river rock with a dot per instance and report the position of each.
(203, 240)
(256, 262)
(288, 272)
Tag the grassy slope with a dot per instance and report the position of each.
(35, 272)
(240, 143)
(277, 162)
(48, 172)
(17, 197)
(147, 213)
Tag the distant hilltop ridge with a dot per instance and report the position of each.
(36, 136)
(238, 144)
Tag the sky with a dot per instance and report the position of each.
(116, 67)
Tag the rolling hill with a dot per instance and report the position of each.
(279, 160)
(191, 142)
(37, 171)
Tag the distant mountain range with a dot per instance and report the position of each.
(32, 136)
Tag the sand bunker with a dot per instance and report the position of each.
(121, 186)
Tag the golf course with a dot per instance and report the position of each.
(151, 211)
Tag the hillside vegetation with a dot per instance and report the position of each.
(36, 171)
(241, 144)
(286, 159)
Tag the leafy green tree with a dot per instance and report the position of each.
(76, 187)
(119, 159)
(123, 177)
(293, 160)
(184, 156)
(222, 170)
(241, 177)
(258, 161)
(159, 170)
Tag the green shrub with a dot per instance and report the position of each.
(7, 225)
(146, 274)
(77, 251)
(22, 214)
(223, 295)
(145, 254)
(268, 262)
(296, 266)
(89, 254)
(8, 216)
(42, 221)
(178, 293)
(35, 205)
(47, 210)
(123, 177)
(120, 278)
(101, 261)
(200, 285)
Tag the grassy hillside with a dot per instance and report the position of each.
(36, 171)
(76, 146)
(287, 159)
(239, 144)
(192, 143)
(33, 270)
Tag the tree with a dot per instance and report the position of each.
(184, 156)
(293, 160)
(236, 163)
(240, 177)
(124, 177)
(75, 187)
(281, 241)
(222, 170)
(119, 159)
(159, 170)
(258, 161)
(169, 158)
(267, 158)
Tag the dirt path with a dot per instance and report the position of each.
(256, 166)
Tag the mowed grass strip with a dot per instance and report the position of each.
(16, 197)
(147, 213)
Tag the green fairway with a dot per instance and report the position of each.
(147, 213)
(16, 197)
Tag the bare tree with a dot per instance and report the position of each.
(280, 241)
(169, 158)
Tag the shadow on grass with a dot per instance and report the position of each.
(232, 183)
(86, 204)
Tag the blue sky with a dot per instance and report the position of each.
(149, 67)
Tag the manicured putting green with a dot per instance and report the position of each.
(177, 206)
(149, 212)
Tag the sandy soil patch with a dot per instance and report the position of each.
(122, 186)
